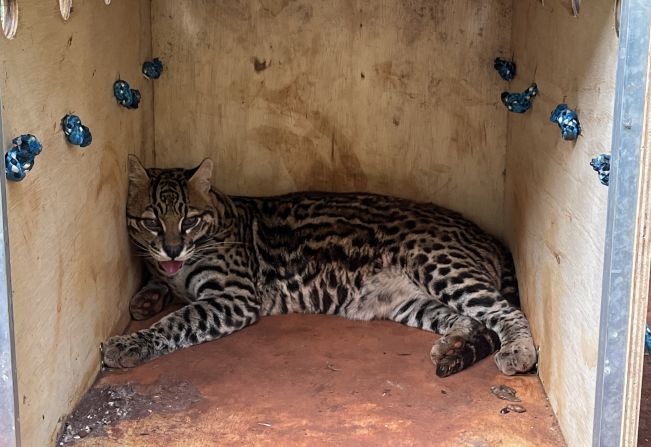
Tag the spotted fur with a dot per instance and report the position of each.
(360, 256)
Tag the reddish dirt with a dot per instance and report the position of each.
(316, 380)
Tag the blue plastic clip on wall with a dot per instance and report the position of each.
(567, 120)
(75, 132)
(152, 69)
(520, 102)
(505, 68)
(126, 96)
(20, 158)
(601, 164)
(647, 339)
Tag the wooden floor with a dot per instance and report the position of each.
(315, 380)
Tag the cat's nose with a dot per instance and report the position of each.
(173, 250)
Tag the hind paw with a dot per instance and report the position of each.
(516, 357)
(447, 355)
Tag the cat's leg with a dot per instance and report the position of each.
(464, 340)
(392, 295)
(149, 300)
(201, 321)
(483, 302)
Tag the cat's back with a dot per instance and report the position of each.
(339, 222)
(304, 208)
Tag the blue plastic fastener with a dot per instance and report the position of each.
(20, 158)
(647, 339)
(505, 68)
(75, 131)
(568, 120)
(152, 69)
(126, 96)
(601, 164)
(520, 102)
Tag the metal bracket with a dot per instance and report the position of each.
(618, 14)
(576, 7)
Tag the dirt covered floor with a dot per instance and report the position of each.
(310, 380)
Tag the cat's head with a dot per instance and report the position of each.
(170, 212)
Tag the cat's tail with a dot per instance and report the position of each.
(508, 282)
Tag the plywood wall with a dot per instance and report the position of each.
(555, 205)
(70, 263)
(383, 96)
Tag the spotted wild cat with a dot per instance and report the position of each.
(361, 256)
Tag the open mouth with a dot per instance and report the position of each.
(170, 267)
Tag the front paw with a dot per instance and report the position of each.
(125, 351)
(148, 302)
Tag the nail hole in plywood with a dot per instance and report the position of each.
(65, 6)
(9, 18)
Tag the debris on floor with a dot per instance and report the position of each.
(513, 408)
(505, 393)
(270, 385)
(106, 405)
(331, 367)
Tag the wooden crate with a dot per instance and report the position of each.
(284, 95)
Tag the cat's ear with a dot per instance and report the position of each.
(138, 178)
(202, 176)
(137, 173)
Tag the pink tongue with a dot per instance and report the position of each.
(171, 267)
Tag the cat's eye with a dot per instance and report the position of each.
(152, 224)
(189, 222)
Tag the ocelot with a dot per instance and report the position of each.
(360, 256)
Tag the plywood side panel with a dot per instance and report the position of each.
(555, 205)
(71, 268)
(382, 96)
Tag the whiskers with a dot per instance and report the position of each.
(142, 254)
(194, 253)
(140, 249)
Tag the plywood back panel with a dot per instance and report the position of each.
(383, 96)
(71, 269)
(555, 205)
